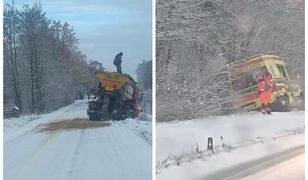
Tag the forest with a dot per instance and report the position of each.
(43, 66)
(196, 39)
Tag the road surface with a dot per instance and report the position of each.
(287, 170)
(52, 150)
(285, 165)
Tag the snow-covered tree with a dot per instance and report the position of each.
(42, 61)
(11, 61)
(196, 39)
(144, 78)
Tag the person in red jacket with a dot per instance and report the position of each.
(265, 86)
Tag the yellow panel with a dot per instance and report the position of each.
(109, 88)
(113, 76)
(112, 80)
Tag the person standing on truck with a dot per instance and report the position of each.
(265, 86)
(117, 62)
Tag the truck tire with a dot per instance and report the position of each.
(94, 116)
(91, 117)
(116, 117)
(126, 113)
(282, 104)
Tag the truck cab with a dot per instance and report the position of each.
(243, 77)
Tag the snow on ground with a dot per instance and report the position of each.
(14, 127)
(246, 136)
(119, 150)
(143, 128)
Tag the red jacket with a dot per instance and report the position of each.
(265, 92)
(270, 81)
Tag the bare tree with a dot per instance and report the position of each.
(144, 78)
(43, 63)
(196, 39)
(10, 55)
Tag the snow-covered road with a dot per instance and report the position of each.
(238, 139)
(117, 150)
(286, 170)
(266, 166)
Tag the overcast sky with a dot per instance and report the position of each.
(106, 27)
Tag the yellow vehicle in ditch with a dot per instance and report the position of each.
(243, 76)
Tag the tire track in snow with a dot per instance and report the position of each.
(115, 148)
(18, 138)
(55, 156)
(76, 152)
(123, 129)
(138, 130)
(128, 132)
(27, 159)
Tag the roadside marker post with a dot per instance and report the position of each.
(210, 144)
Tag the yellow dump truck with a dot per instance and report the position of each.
(243, 76)
(118, 97)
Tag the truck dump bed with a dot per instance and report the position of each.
(118, 96)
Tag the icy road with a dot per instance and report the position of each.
(286, 170)
(285, 165)
(243, 145)
(63, 145)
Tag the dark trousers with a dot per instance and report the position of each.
(119, 69)
(265, 109)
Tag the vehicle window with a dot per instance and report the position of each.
(247, 79)
(244, 81)
(274, 71)
(282, 71)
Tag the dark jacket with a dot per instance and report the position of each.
(118, 59)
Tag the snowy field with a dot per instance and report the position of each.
(50, 147)
(181, 145)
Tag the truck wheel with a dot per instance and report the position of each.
(128, 112)
(91, 117)
(283, 104)
(131, 114)
(116, 117)
(94, 116)
(122, 114)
